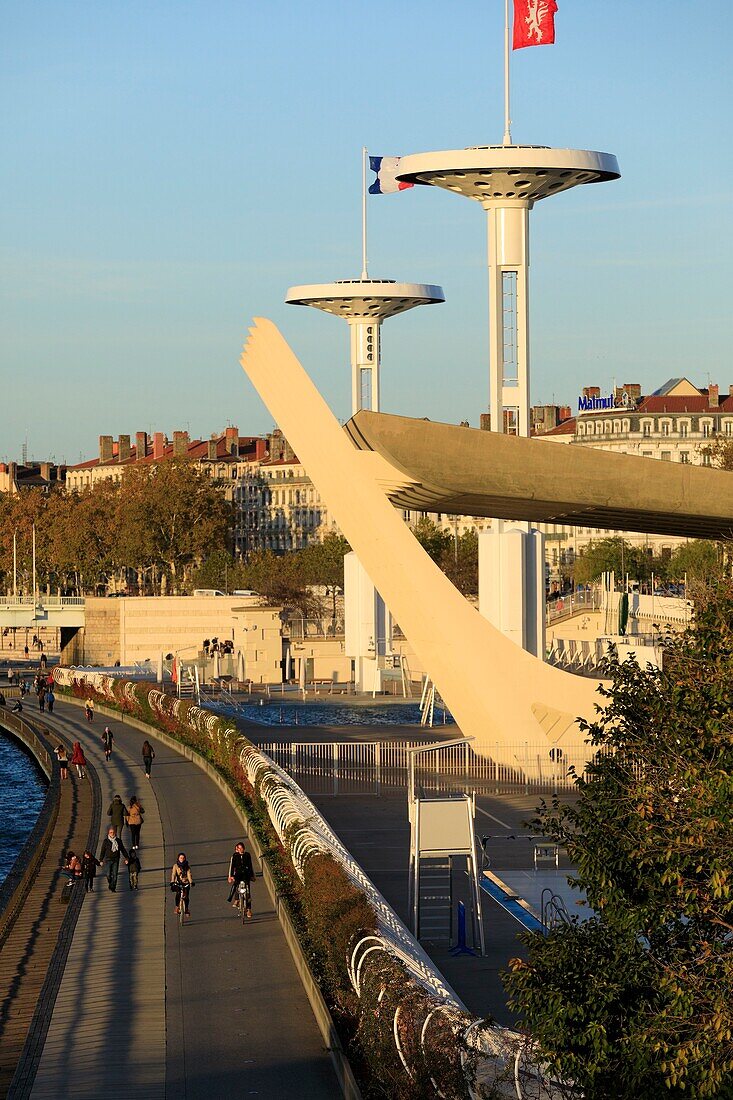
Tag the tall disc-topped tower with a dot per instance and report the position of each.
(364, 304)
(507, 180)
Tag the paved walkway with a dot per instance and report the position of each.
(156, 1011)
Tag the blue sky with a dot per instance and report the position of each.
(170, 167)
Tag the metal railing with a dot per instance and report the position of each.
(339, 765)
(42, 600)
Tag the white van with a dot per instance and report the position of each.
(208, 592)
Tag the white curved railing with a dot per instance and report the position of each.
(497, 1051)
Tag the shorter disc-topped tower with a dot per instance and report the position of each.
(364, 304)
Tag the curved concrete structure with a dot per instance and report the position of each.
(499, 694)
(508, 477)
(365, 299)
(493, 174)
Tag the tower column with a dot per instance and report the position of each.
(365, 363)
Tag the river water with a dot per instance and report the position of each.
(22, 790)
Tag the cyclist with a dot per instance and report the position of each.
(181, 882)
(240, 870)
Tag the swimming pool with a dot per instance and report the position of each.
(274, 713)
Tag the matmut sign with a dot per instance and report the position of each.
(591, 404)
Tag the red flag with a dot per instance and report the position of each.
(534, 23)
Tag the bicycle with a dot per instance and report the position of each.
(182, 899)
(244, 901)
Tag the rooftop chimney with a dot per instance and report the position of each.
(713, 396)
(591, 391)
(232, 440)
(45, 471)
(484, 422)
(123, 448)
(180, 444)
(141, 445)
(158, 445)
(211, 453)
(106, 448)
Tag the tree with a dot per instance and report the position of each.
(719, 452)
(459, 562)
(281, 581)
(638, 1001)
(171, 515)
(323, 564)
(699, 559)
(617, 556)
(433, 539)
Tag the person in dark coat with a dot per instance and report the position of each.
(117, 814)
(148, 756)
(112, 849)
(107, 742)
(89, 864)
(133, 868)
(240, 870)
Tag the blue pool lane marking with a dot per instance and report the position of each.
(512, 904)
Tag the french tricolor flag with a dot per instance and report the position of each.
(386, 169)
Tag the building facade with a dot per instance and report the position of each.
(673, 424)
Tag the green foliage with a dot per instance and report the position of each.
(638, 1003)
(456, 556)
(433, 539)
(147, 532)
(700, 559)
(618, 556)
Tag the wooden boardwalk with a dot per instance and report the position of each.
(28, 980)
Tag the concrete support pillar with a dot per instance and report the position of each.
(368, 625)
(512, 583)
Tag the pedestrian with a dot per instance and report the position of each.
(148, 757)
(89, 864)
(107, 741)
(17, 707)
(133, 869)
(42, 700)
(72, 866)
(44, 659)
(112, 849)
(89, 709)
(240, 870)
(135, 814)
(79, 759)
(2, 699)
(181, 882)
(25, 651)
(50, 700)
(116, 814)
(63, 759)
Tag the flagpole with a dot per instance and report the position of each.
(364, 271)
(507, 120)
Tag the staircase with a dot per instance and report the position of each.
(435, 900)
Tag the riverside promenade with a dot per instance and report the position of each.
(147, 1008)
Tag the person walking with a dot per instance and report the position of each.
(181, 877)
(133, 869)
(42, 698)
(89, 864)
(240, 870)
(112, 849)
(107, 742)
(62, 756)
(148, 757)
(117, 813)
(89, 709)
(79, 760)
(135, 814)
(50, 700)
